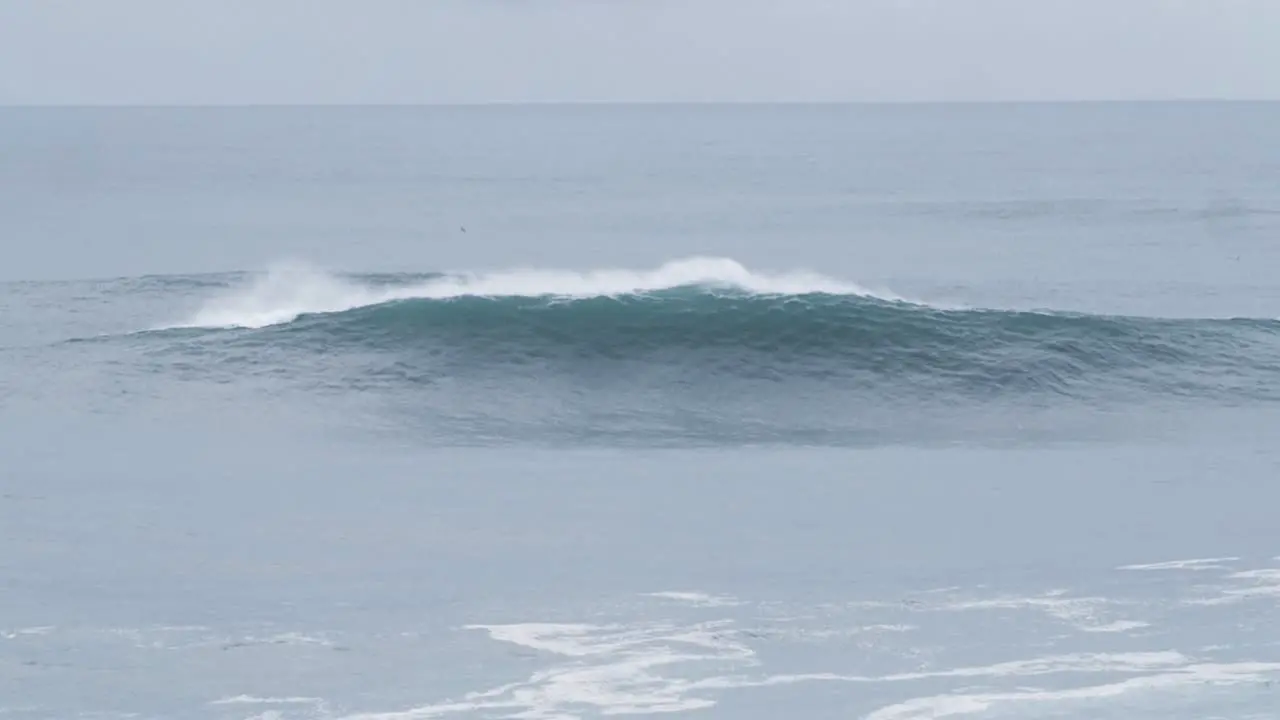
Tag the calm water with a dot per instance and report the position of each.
(894, 413)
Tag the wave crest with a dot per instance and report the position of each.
(289, 291)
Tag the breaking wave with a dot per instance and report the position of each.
(289, 291)
(695, 350)
(710, 320)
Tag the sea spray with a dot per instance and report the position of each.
(288, 290)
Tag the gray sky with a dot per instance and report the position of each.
(446, 51)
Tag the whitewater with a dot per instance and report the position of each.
(290, 289)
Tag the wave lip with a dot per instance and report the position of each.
(289, 291)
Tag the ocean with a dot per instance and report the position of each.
(885, 412)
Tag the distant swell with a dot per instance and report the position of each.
(703, 327)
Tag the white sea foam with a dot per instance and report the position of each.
(1250, 585)
(617, 670)
(288, 638)
(1196, 564)
(1265, 582)
(696, 599)
(287, 291)
(251, 700)
(1265, 574)
(614, 669)
(1132, 662)
(41, 630)
(648, 667)
(1117, 626)
(940, 706)
(847, 633)
(1087, 614)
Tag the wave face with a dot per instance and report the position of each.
(701, 346)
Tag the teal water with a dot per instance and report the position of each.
(569, 412)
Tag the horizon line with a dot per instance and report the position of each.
(636, 103)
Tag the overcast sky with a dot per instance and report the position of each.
(449, 51)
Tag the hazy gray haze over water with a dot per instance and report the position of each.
(892, 412)
(184, 52)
